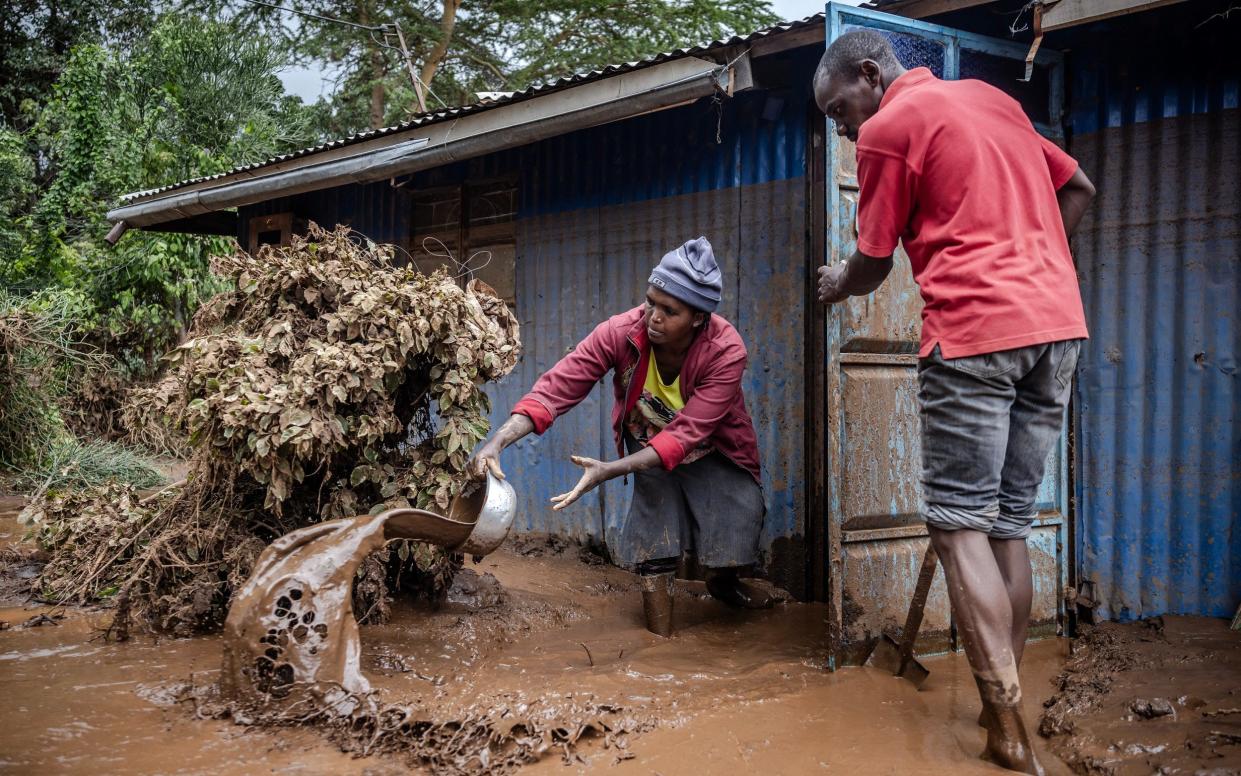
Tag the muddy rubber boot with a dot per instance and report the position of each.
(726, 586)
(657, 603)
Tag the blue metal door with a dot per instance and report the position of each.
(875, 540)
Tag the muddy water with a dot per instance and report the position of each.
(292, 624)
(731, 692)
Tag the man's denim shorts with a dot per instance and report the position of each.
(988, 423)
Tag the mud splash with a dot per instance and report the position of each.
(1160, 696)
(292, 654)
(292, 627)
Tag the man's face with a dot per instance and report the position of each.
(850, 100)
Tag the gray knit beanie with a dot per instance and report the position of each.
(690, 274)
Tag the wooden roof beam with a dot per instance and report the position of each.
(1069, 13)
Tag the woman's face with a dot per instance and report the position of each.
(669, 321)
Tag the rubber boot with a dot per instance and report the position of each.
(726, 585)
(657, 603)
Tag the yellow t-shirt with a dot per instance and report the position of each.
(670, 394)
(655, 408)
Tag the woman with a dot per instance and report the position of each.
(681, 428)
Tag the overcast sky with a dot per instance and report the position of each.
(310, 83)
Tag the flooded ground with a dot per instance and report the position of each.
(730, 693)
(1163, 696)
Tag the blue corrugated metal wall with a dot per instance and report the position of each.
(597, 209)
(1158, 422)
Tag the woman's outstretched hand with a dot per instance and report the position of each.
(488, 456)
(596, 472)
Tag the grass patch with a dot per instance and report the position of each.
(67, 462)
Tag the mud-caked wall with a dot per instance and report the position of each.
(1158, 409)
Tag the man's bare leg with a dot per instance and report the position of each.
(984, 616)
(1013, 558)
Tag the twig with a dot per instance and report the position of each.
(142, 502)
(589, 656)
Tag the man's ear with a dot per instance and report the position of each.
(870, 71)
(700, 319)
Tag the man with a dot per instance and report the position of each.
(983, 206)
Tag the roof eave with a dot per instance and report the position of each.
(598, 102)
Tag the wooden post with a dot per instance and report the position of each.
(409, 64)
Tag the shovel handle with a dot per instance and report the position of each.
(913, 620)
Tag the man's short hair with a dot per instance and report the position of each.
(846, 54)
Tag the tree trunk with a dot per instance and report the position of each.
(377, 94)
(375, 57)
(447, 22)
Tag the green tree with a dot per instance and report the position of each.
(16, 190)
(193, 98)
(459, 47)
(36, 37)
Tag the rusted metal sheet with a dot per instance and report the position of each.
(880, 574)
(772, 274)
(558, 303)
(1158, 402)
(881, 570)
(882, 449)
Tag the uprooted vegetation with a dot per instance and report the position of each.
(41, 359)
(306, 393)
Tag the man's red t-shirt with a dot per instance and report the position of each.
(956, 172)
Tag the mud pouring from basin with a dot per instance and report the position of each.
(291, 630)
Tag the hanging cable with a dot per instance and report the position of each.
(310, 15)
(386, 29)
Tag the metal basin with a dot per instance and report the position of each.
(491, 508)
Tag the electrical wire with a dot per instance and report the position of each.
(385, 30)
(310, 15)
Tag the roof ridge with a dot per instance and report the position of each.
(529, 92)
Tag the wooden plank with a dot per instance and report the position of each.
(1067, 13)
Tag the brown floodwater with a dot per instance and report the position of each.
(292, 625)
(731, 692)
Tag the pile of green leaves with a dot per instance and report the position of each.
(320, 363)
(329, 382)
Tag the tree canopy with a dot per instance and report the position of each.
(460, 47)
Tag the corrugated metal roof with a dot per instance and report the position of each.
(478, 107)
